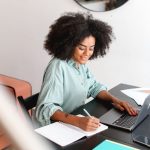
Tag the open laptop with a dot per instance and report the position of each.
(123, 120)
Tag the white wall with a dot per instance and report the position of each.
(24, 25)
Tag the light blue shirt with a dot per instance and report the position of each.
(65, 87)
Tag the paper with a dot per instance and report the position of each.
(138, 94)
(64, 134)
(110, 145)
(59, 133)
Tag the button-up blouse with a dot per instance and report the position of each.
(65, 87)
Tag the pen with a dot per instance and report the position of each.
(87, 112)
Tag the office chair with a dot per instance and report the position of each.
(28, 103)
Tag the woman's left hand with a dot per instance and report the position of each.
(124, 105)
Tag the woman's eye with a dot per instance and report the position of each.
(81, 48)
(91, 49)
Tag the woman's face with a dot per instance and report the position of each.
(84, 50)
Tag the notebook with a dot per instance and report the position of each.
(122, 120)
(64, 134)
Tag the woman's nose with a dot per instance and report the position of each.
(86, 52)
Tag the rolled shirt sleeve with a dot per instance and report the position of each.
(45, 112)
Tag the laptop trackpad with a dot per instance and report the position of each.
(110, 116)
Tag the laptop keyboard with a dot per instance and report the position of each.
(125, 120)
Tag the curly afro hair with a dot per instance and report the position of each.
(71, 29)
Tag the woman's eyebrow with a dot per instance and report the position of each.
(85, 45)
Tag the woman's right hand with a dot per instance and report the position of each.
(88, 123)
(85, 123)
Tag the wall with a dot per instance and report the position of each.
(24, 25)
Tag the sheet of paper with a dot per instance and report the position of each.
(59, 133)
(138, 94)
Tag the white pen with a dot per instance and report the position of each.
(87, 112)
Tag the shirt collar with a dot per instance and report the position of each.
(72, 63)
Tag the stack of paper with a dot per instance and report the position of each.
(64, 134)
(138, 94)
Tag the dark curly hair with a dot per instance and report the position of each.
(71, 29)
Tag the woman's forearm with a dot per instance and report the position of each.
(105, 95)
(65, 117)
(85, 123)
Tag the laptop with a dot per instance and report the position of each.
(123, 120)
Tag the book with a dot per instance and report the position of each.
(111, 145)
(64, 134)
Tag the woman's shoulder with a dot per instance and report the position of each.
(56, 64)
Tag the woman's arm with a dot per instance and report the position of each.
(118, 103)
(85, 123)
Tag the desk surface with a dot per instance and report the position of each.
(98, 108)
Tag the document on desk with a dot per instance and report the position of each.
(64, 134)
(138, 94)
(111, 145)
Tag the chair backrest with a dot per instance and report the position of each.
(28, 103)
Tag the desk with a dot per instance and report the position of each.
(98, 108)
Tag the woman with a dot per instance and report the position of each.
(72, 40)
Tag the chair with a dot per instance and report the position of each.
(15, 87)
(28, 103)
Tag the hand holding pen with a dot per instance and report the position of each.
(89, 123)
